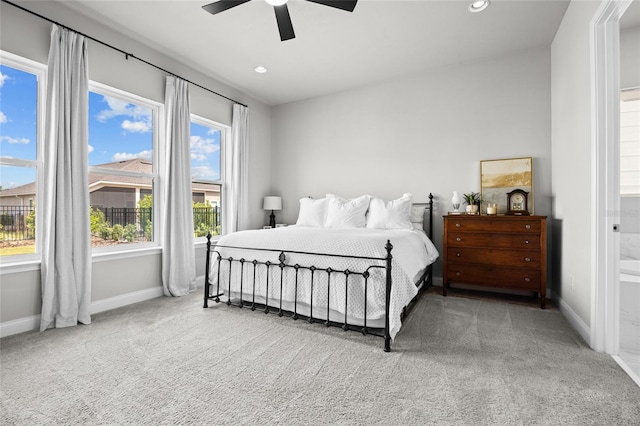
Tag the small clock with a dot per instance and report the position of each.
(518, 202)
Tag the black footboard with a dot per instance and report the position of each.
(335, 277)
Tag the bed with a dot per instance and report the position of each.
(360, 267)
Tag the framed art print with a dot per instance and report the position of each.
(500, 177)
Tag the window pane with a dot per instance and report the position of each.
(18, 211)
(205, 175)
(121, 210)
(18, 113)
(206, 209)
(121, 137)
(18, 147)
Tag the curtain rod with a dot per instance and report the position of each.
(126, 54)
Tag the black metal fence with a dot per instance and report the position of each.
(205, 219)
(17, 223)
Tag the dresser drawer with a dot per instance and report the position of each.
(495, 257)
(519, 241)
(494, 276)
(482, 224)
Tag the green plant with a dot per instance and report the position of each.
(97, 220)
(105, 231)
(472, 198)
(31, 220)
(130, 232)
(117, 232)
(201, 230)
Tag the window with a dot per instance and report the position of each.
(630, 142)
(123, 135)
(22, 85)
(207, 138)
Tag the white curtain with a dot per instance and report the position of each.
(65, 233)
(238, 174)
(178, 256)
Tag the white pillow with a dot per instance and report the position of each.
(394, 214)
(312, 212)
(343, 213)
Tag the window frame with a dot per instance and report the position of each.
(157, 109)
(40, 71)
(225, 134)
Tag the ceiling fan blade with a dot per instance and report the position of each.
(347, 5)
(222, 5)
(284, 22)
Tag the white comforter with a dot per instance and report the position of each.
(412, 253)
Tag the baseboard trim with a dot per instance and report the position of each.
(576, 322)
(125, 299)
(626, 369)
(21, 325)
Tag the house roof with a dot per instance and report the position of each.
(98, 180)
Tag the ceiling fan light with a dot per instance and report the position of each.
(479, 6)
(276, 2)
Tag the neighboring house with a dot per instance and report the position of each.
(110, 190)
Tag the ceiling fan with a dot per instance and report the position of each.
(282, 12)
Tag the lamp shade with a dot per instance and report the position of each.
(272, 203)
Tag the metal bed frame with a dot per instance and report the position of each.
(376, 263)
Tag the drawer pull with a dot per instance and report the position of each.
(527, 226)
(526, 241)
(527, 279)
(458, 239)
(457, 225)
(457, 254)
(457, 274)
(527, 259)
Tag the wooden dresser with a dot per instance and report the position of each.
(496, 251)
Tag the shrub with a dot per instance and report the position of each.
(104, 231)
(117, 232)
(130, 232)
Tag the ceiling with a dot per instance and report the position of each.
(333, 50)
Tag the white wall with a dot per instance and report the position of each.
(630, 57)
(571, 153)
(28, 36)
(424, 133)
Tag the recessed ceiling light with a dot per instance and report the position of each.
(479, 6)
(276, 2)
(260, 69)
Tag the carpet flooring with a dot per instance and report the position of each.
(456, 361)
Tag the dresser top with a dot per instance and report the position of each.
(493, 216)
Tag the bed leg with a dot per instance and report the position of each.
(206, 273)
(387, 335)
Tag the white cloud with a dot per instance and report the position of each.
(123, 156)
(204, 172)
(89, 149)
(9, 139)
(3, 78)
(141, 116)
(201, 148)
(136, 126)
(3, 118)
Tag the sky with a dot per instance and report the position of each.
(118, 130)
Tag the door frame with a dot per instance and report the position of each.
(605, 182)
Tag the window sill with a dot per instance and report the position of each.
(33, 263)
(19, 266)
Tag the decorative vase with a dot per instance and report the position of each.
(455, 201)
